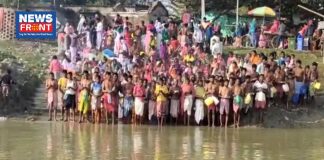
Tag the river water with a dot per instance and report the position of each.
(44, 140)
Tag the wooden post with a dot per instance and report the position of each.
(202, 9)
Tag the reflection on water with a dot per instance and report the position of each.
(20, 140)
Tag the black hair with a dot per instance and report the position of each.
(315, 64)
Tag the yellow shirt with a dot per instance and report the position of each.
(62, 83)
(189, 58)
(200, 92)
(159, 88)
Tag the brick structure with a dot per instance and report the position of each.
(7, 24)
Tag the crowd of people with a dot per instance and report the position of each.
(165, 73)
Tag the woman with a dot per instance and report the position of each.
(161, 92)
(51, 86)
(152, 101)
(175, 102)
(84, 97)
(96, 93)
(263, 40)
(55, 67)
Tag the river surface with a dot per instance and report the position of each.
(56, 140)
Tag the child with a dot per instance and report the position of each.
(96, 93)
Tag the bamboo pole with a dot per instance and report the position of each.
(309, 10)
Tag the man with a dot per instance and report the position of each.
(108, 100)
(281, 33)
(198, 36)
(216, 46)
(260, 88)
(139, 94)
(225, 95)
(6, 82)
(81, 22)
(128, 100)
(252, 33)
(310, 31)
(99, 30)
(73, 47)
(69, 97)
(62, 83)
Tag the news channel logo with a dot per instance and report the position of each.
(36, 25)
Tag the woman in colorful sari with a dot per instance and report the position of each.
(161, 92)
(84, 97)
(51, 86)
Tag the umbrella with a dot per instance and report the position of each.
(108, 53)
(262, 12)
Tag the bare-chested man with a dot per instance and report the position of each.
(108, 100)
(238, 102)
(225, 94)
(128, 100)
(299, 72)
(210, 88)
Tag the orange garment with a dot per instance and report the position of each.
(255, 59)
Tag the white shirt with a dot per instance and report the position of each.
(158, 26)
(260, 68)
(198, 36)
(259, 85)
(99, 27)
(260, 96)
(70, 84)
(80, 24)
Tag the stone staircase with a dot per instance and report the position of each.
(39, 101)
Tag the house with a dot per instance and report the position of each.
(156, 10)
